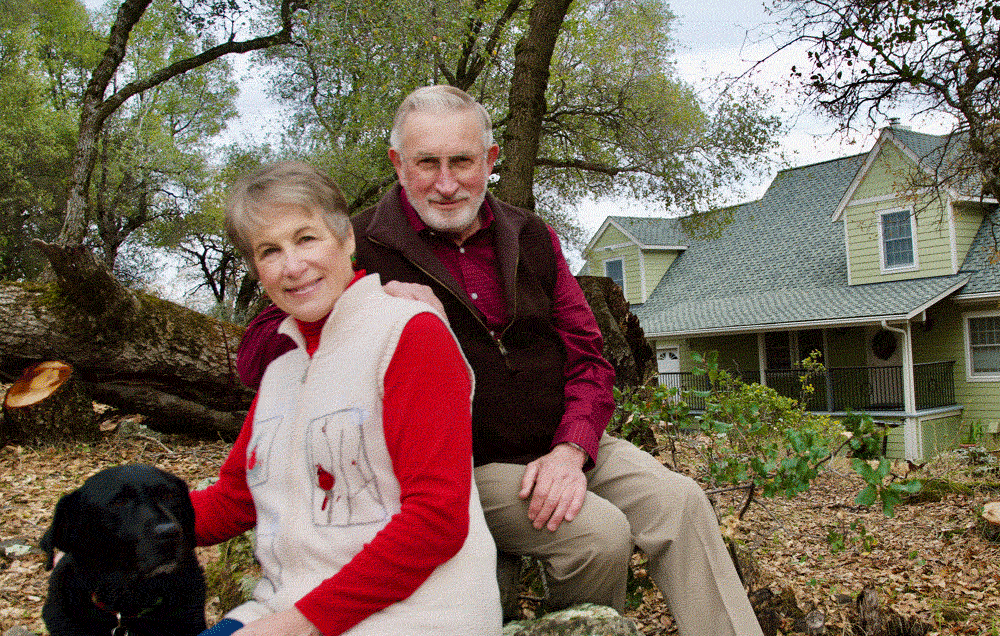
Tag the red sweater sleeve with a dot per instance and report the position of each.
(589, 377)
(226, 509)
(428, 430)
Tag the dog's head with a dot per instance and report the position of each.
(134, 519)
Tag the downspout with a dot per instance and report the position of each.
(912, 437)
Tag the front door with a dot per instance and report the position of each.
(884, 353)
(668, 361)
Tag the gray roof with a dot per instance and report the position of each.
(980, 263)
(653, 231)
(943, 154)
(782, 261)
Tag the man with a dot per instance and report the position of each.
(553, 484)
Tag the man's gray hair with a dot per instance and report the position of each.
(438, 100)
(286, 183)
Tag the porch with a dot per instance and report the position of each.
(840, 389)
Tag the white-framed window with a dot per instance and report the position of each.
(982, 346)
(897, 231)
(614, 268)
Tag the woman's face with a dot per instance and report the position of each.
(302, 265)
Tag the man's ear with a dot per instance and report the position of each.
(492, 154)
(62, 534)
(397, 163)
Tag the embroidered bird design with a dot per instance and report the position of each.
(326, 482)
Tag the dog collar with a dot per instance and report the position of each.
(121, 629)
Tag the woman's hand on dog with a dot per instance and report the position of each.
(290, 622)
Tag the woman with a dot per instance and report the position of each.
(354, 464)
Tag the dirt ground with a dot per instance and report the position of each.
(927, 562)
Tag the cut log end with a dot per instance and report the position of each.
(37, 383)
(47, 405)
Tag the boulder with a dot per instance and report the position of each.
(585, 619)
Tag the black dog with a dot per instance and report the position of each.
(129, 565)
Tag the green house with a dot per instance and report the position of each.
(896, 287)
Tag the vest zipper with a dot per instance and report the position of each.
(475, 314)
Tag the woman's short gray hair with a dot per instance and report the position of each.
(437, 100)
(286, 183)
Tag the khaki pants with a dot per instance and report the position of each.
(632, 499)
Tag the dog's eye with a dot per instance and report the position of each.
(119, 502)
(166, 495)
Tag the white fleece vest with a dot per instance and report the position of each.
(322, 479)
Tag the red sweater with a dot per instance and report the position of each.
(428, 433)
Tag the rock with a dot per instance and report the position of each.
(17, 548)
(585, 619)
(18, 631)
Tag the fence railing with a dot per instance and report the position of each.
(845, 388)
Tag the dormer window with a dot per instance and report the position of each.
(896, 232)
(615, 270)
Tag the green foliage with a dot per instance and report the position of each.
(754, 435)
(44, 50)
(155, 151)
(230, 576)
(876, 487)
(617, 119)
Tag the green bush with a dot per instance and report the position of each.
(756, 436)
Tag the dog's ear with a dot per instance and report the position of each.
(62, 534)
(184, 509)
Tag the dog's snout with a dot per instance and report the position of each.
(166, 530)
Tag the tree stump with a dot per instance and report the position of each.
(46, 405)
(875, 620)
(989, 521)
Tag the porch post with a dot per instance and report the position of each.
(761, 358)
(913, 446)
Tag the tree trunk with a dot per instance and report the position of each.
(625, 345)
(132, 351)
(532, 57)
(47, 405)
(875, 620)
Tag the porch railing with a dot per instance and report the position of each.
(847, 388)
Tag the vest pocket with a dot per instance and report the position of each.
(259, 451)
(345, 489)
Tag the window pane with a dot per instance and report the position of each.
(985, 330)
(615, 271)
(897, 239)
(984, 337)
(986, 359)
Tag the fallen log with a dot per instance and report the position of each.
(118, 340)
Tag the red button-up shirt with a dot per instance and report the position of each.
(589, 377)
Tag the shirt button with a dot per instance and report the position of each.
(474, 296)
(493, 333)
(461, 250)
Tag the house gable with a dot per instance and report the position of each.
(891, 232)
(623, 241)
